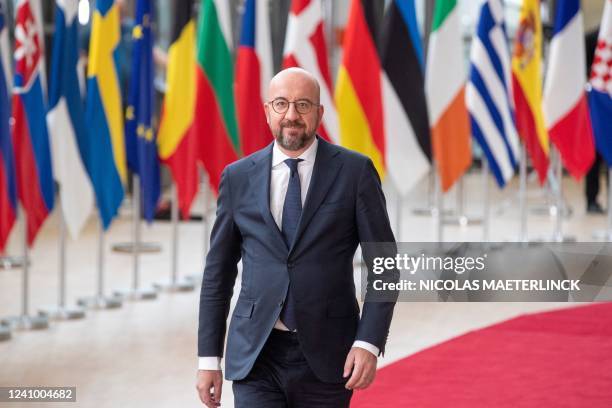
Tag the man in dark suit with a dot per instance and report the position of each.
(294, 213)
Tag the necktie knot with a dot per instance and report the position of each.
(293, 165)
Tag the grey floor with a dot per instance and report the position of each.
(144, 354)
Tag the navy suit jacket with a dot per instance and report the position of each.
(345, 205)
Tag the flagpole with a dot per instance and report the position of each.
(560, 207)
(439, 208)
(175, 283)
(5, 332)
(460, 217)
(398, 216)
(523, 194)
(486, 200)
(136, 293)
(99, 300)
(61, 312)
(606, 234)
(25, 321)
(10, 262)
(609, 204)
(429, 209)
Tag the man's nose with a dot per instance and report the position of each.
(292, 113)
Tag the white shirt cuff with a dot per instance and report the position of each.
(365, 345)
(209, 363)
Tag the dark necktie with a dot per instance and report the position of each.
(292, 210)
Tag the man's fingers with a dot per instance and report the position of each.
(369, 372)
(348, 364)
(357, 372)
(209, 381)
(218, 385)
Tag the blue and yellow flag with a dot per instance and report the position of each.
(140, 140)
(104, 155)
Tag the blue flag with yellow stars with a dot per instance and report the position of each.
(140, 137)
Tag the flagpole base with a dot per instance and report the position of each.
(551, 210)
(462, 220)
(59, 313)
(178, 285)
(5, 333)
(602, 235)
(136, 294)
(100, 302)
(10, 262)
(195, 278)
(429, 211)
(27, 322)
(554, 239)
(142, 248)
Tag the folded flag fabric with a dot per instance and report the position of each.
(140, 134)
(488, 93)
(565, 104)
(30, 136)
(8, 187)
(66, 121)
(527, 86)
(445, 88)
(305, 47)
(600, 94)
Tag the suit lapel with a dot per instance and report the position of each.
(260, 177)
(324, 173)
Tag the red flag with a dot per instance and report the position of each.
(305, 48)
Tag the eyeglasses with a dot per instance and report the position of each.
(302, 106)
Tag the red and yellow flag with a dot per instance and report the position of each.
(177, 145)
(358, 89)
(527, 86)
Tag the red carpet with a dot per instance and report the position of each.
(555, 359)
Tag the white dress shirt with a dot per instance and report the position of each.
(279, 182)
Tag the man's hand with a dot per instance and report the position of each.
(363, 365)
(207, 380)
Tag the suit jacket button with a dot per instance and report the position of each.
(290, 264)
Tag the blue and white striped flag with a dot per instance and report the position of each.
(488, 93)
(65, 120)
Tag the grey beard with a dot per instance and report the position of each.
(293, 143)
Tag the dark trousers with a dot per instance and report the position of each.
(281, 378)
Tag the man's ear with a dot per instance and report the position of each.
(267, 110)
(321, 110)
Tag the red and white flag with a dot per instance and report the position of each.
(565, 105)
(305, 48)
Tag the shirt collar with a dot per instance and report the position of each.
(308, 156)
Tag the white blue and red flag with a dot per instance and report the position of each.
(30, 137)
(254, 71)
(565, 104)
(8, 189)
(600, 95)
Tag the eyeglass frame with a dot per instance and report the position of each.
(271, 103)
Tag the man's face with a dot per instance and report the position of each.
(293, 130)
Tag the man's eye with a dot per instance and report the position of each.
(281, 104)
(303, 105)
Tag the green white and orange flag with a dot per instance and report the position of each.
(527, 86)
(177, 145)
(215, 121)
(445, 88)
